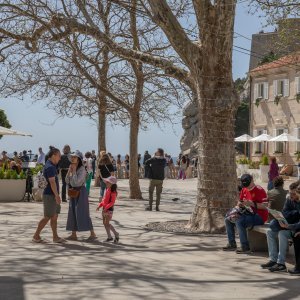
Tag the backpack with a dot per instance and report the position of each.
(42, 181)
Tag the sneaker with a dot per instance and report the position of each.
(268, 264)
(294, 272)
(278, 268)
(149, 208)
(243, 251)
(109, 239)
(229, 247)
(157, 208)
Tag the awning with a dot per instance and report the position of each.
(7, 131)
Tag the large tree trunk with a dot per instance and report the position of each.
(218, 103)
(134, 184)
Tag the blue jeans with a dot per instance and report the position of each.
(283, 239)
(244, 222)
(102, 188)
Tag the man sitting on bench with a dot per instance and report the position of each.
(283, 232)
(251, 196)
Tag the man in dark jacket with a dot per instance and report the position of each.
(64, 165)
(146, 169)
(156, 167)
(280, 232)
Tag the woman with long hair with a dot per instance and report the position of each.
(79, 214)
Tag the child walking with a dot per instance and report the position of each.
(108, 203)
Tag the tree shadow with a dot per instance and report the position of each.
(11, 288)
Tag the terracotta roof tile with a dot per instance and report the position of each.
(290, 59)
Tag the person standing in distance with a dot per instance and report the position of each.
(51, 198)
(64, 165)
(146, 157)
(156, 166)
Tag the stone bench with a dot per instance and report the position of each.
(257, 238)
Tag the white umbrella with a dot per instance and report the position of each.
(243, 138)
(7, 131)
(285, 137)
(261, 138)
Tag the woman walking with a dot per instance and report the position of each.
(106, 170)
(79, 214)
(273, 172)
(108, 203)
(88, 163)
(183, 165)
(126, 163)
(119, 167)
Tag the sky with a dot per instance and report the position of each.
(81, 133)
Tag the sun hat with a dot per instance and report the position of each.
(77, 153)
(246, 180)
(111, 179)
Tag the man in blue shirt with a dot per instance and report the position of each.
(51, 198)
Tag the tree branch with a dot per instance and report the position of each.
(164, 17)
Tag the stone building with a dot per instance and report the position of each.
(275, 108)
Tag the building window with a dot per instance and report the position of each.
(297, 135)
(259, 146)
(279, 146)
(281, 87)
(297, 83)
(261, 91)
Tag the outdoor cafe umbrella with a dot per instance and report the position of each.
(7, 131)
(285, 137)
(261, 138)
(245, 138)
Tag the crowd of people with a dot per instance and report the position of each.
(78, 170)
(76, 173)
(253, 207)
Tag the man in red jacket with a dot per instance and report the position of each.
(251, 196)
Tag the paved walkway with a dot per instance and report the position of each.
(145, 265)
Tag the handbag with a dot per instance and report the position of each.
(73, 193)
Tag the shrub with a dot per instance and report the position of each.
(265, 160)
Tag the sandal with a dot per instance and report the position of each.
(71, 238)
(116, 240)
(59, 241)
(91, 239)
(38, 241)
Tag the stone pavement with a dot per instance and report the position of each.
(145, 265)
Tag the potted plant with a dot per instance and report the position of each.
(12, 185)
(264, 169)
(298, 97)
(277, 99)
(243, 165)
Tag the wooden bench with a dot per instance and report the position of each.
(257, 238)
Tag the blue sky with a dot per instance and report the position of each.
(81, 133)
